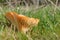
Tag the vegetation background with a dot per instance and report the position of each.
(48, 11)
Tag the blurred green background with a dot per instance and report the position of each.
(47, 29)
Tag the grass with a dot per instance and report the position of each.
(47, 29)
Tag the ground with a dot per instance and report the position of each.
(47, 29)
